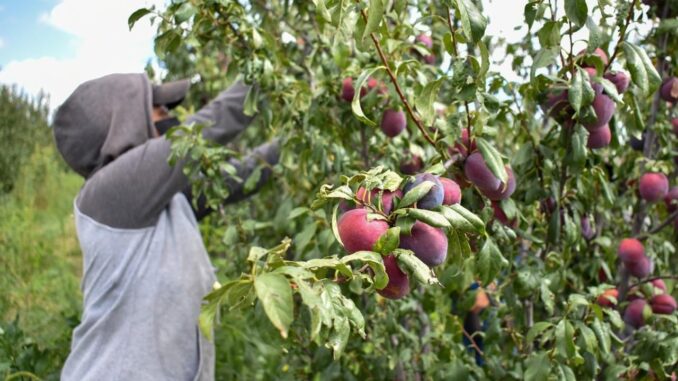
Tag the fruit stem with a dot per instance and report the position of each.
(394, 80)
(622, 33)
(652, 279)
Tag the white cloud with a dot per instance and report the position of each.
(103, 45)
(2, 42)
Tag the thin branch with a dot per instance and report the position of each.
(654, 278)
(622, 34)
(408, 107)
(659, 227)
(456, 53)
(473, 342)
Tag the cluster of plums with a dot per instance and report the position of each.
(654, 187)
(476, 172)
(429, 244)
(631, 252)
(557, 104)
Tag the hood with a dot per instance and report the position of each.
(103, 119)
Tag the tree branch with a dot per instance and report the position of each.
(659, 227)
(394, 80)
(622, 34)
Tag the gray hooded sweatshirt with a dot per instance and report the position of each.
(145, 266)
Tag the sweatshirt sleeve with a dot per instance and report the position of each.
(131, 191)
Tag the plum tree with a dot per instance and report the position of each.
(434, 197)
(398, 281)
(357, 232)
(429, 244)
(653, 186)
(393, 122)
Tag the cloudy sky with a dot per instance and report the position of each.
(54, 45)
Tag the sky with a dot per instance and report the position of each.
(54, 45)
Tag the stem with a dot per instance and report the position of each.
(622, 33)
(456, 53)
(553, 18)
(399, 90)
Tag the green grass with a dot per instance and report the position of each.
(40, 258)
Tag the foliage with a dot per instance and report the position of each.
(23, 124)
(542, 273)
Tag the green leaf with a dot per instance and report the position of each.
(355, 104)
(589, 337)
(322, 10)
(138, 14)
(252, 180)
(374, 15)
(581, 93)
(335, 227)
(489, 262)
(405, 224)
(413, 265)
(565, 339)
(538, 367)
(457, 220)
(493, 159)
(603, 334)
(549, 35)
(250, 107)
(415, 194)
(547, 297)
(576, 11)
(544, 58)
(477, 223)
(185, 12)
(530, 12)
(429, 217)
(473, 23)
(596, 36)
(485, 59)
(388, 241)
(610, 89)
(424, 100)
(640, 66)
(275, 294)
(376, 264)
(537, 329)
(607, 192)
(339, 337)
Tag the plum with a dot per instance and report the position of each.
(659, 284)
(653, 186)
(452, 191)
(393, 122)
(503, 192)
(630, 250)
(463, 146)
(637, 144)
(429, 244)
(604, 298)
(599, 138)
(501, 216)
(604, 108)
(434, 197)
(586, 229)
(479, 174)
(669, 90)
(411, 165)
(671, 199)
(357, 233)
(398, 282)
(620, 79)
(427, 41)
(635, 313)
(348, 91)
(663, 304)
(641, 268)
